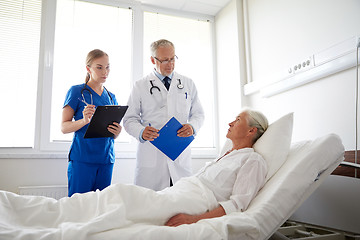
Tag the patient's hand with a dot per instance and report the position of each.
(180, 219)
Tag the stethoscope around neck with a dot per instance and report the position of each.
(91, 96)
(179, 86)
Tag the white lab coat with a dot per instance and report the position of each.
(153, 168)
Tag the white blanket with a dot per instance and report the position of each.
(118, 206)
(141, 213)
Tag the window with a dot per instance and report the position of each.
(193, 46)
(80, 28)
(20, 23)
(41, 60)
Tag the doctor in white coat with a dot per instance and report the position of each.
(151, 105)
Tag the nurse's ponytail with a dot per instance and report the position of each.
(92, 55)
(87, 78)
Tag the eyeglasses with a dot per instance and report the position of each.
(172, 60)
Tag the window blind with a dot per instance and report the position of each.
(20, 25)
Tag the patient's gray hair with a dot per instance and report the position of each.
(160, 43)
(258, 120)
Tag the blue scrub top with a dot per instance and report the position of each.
(89, 150)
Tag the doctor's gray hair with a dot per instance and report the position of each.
(258, 120)
(160, 43)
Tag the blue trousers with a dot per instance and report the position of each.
(86, 177)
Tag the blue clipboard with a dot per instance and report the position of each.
(168, 142)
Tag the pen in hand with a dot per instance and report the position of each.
(150, 133)
(88, 111)
(82, 100)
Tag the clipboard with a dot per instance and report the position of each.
(168, 142)
(102, 118)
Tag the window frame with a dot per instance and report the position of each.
(43, 147)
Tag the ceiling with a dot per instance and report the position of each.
(208, 7)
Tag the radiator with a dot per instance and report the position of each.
(55, 191)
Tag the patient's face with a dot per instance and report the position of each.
(239, 128)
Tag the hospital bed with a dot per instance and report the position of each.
(295, 171)
(305, 166)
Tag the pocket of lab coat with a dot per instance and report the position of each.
(183, 103)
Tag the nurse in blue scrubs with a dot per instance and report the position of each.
(91, 160)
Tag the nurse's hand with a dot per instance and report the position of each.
(150, 133)
(185, 131)
(115, 129)
(88, 112)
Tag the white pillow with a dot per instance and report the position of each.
(274, 144)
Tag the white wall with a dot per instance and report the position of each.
(283, 32)
(228, 66)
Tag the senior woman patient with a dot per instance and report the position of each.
(225, 185)
(237, 176)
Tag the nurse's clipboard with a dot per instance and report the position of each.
(102, 118)
(168, 142)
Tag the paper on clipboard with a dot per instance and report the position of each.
(102, 118)
(168, 142)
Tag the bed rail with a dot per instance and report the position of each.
(350, 164)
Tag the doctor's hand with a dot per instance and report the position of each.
(150, 133)
(185, 131)
(88, 112)
(115, 129)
